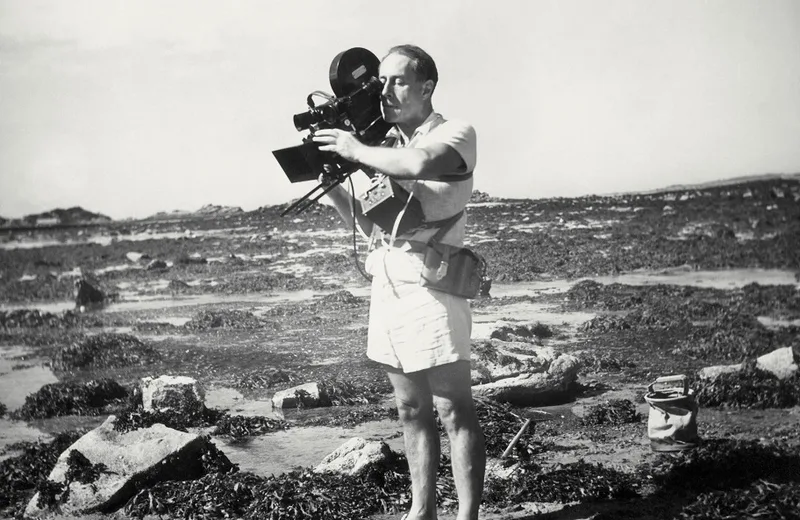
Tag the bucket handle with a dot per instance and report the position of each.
(680, 378)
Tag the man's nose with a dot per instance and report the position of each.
(385, 90)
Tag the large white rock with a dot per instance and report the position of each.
(520, 373)
(308, 395)
(354, 457)
(175, 393)
(782, 363)
(133, 459)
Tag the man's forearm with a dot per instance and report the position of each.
(342, 200)
(399, 163)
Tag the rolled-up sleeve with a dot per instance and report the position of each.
(461, 136)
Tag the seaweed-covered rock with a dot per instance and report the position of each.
(32, 318)
(88, 294)
(355, 457)
(129, 461)
(105, 350)
(308, 395)
(527, 332)
(614, 412)
(180, 394)
(521, 374)
(72, 398)
(750, 387)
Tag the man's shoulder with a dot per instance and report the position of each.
(456, 126)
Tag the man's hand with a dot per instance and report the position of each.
(338, 141)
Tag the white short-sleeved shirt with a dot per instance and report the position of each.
(442, 199)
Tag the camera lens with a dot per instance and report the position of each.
(304, 120)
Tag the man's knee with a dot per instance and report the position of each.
(413, 408)
(456, 414)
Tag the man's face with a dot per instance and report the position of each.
(403, 96)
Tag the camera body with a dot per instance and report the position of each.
(355, 107)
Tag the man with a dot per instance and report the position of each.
(422, 336)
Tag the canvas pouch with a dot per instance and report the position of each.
(455, 270)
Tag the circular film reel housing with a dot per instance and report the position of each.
(350, 69)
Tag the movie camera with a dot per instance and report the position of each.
(355, 106)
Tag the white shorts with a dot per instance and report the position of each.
(412, 328)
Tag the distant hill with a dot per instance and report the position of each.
(724, 182)
(209, 210)
(58, 217)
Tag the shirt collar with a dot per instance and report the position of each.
(433, 119)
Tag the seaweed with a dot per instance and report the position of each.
(224, 319)
(33, 318)
(72, 398)
(137, 418)
(348, 417)
(529, 332)
(614, 412)
(80, 469)
(20, 475)
(269, 379)
(500, 424)
(750, 388)
(239, 427)
(104, 350)
(604, 362)
(579, 481)
(300, 494)
(718, 464)
(761, 499)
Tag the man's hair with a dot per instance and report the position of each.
(421, 62)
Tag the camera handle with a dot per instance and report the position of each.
(306, 201)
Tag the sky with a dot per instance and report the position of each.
(131, 108)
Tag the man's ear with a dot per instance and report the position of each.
(427, 88)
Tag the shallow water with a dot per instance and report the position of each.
(722, 279)
(283, 451)
(21, 375)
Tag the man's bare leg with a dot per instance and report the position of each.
(415, 407)
(451, 387)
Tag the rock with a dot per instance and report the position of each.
(178, 393)
(782, 363)
(194, 259)
(88, 295)
(156, 264)
(717, 370)
(133, 256)
(177, 285)
(355, 457)
(133, 460)
(308, 395)
(538, 377)
(485, 287)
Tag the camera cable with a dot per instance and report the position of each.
(367, 276)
